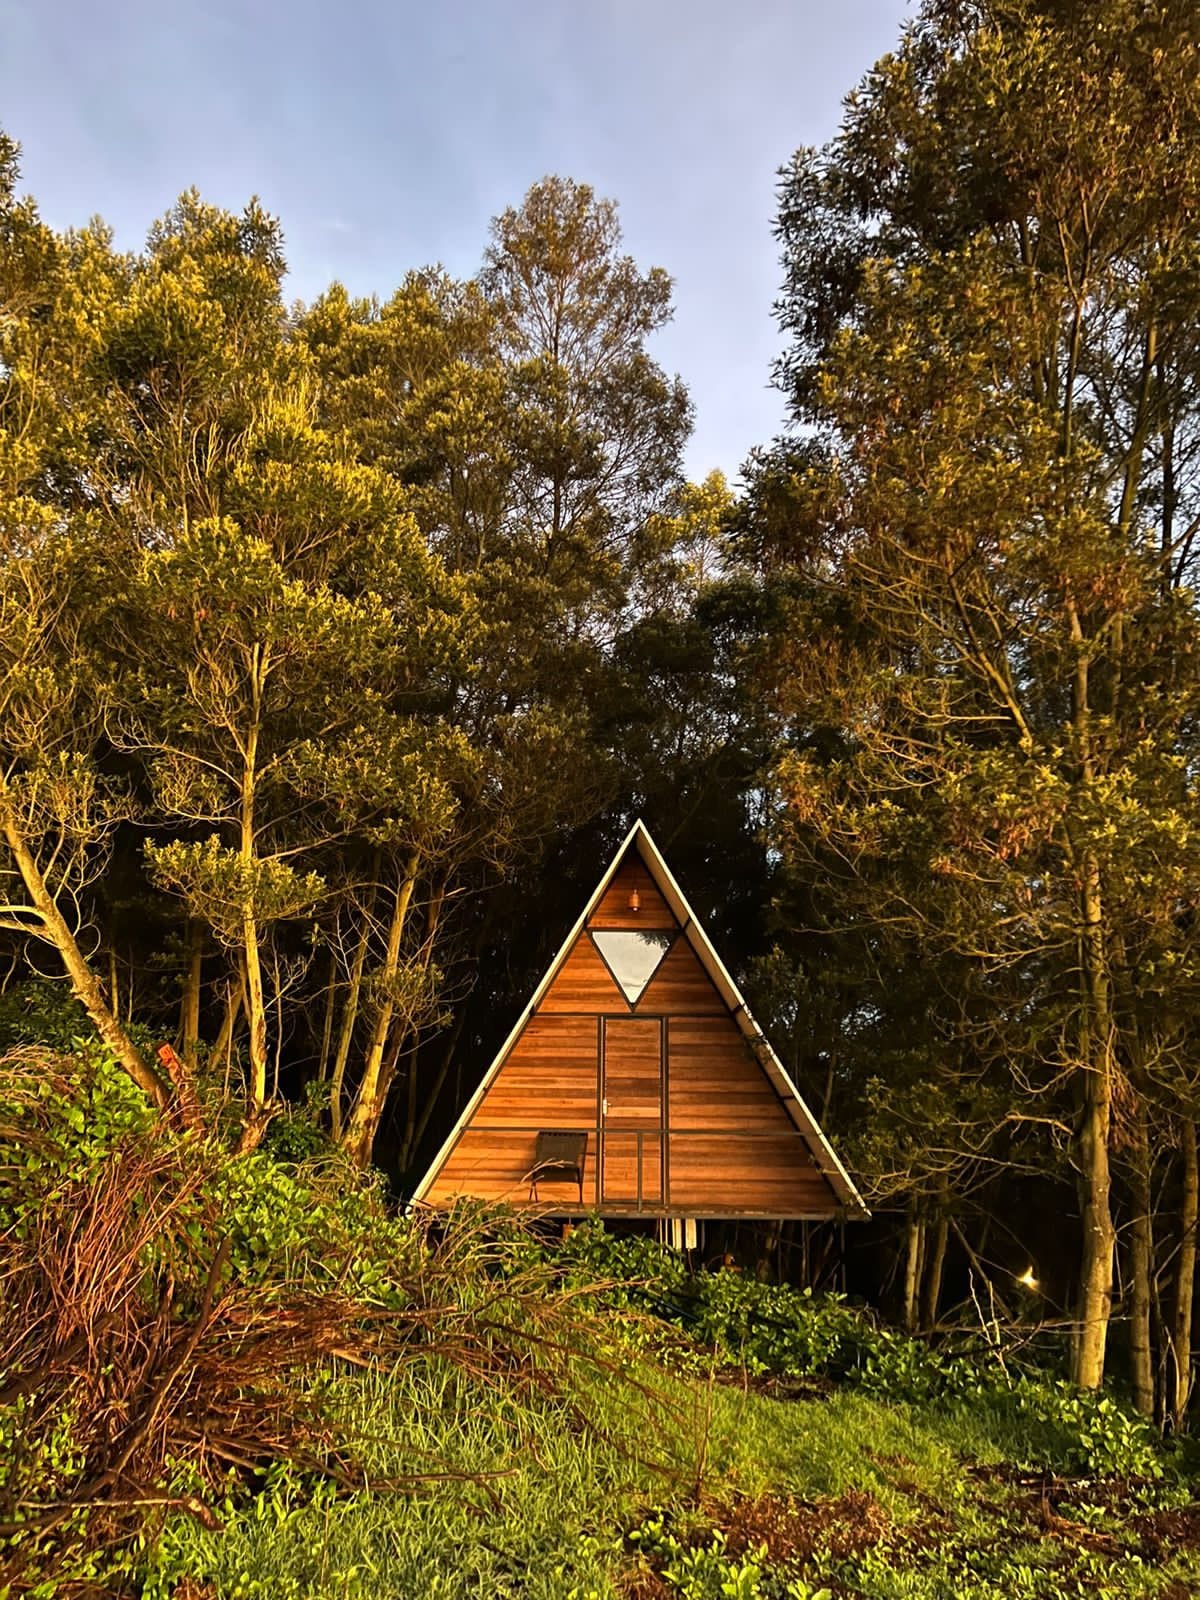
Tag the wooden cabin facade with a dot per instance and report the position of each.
(636, 1083)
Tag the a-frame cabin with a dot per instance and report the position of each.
(637, 1084)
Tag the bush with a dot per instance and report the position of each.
(1085, 1431)
(779, 1330)
(42, 1013)
(297, 1134)
(766, 1328)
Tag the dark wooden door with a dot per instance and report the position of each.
(632, 1146)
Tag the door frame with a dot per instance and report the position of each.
(659, 1130)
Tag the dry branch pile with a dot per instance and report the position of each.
(151, 1337)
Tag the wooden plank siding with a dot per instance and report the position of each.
(494, 1164)
(553, 1068)
(584, 983)
(714, 1082)
(714, 1173)
(681, 986)
(681, 1118)
(652, 913)
(550, 1079)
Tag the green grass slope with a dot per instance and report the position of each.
(717, 1491)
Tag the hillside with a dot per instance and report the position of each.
(236, 1376)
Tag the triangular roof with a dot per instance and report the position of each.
(638, 838)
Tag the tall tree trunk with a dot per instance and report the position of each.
(256, 1007)
(1097, 1055)
(189, 1004)
(1096, 1270)
(327, 1022)
(1099, 1235)
(256, 1014)
(223, 1043)
(934, 1270)
(350, 1014)
(1141, 1269)
(1185, 1275)
(84, 983)
(915, 1238)
(359, 1136)
(414, 1123)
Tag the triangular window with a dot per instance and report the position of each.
(633, 957)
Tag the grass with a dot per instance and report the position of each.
(829, 1448)
(847, 1493)
(224, 1378)
(503, 1500)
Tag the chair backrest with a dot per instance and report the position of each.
(560, 1148)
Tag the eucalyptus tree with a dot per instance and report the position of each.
(992, 294)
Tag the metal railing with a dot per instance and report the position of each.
(599, 1134)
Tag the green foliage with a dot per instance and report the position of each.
(528, 1484)
(778, 1330)
(492, 1499)
(241, 1277)
(637, 1265)
(39, 1012)
(323, 1223)
(61, 1122)
(702, 1571)
(38, 1459)
(299, 1133)
(986, 683)
(222, 887)
(1080, 1430)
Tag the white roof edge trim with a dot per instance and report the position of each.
(821, 1150)
(468, 1111)
(806, 1124)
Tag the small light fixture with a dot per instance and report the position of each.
(1027, 1280)
(635, 900)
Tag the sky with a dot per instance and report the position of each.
(386, 135)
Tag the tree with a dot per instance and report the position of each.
(284, 615)
(596, 427)
(991, 291)
(58, 808)
(538, 449)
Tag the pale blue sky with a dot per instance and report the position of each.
(385, 136)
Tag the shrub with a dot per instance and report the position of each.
(1085, 1431)
(42, 1013)
(779, 1330)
